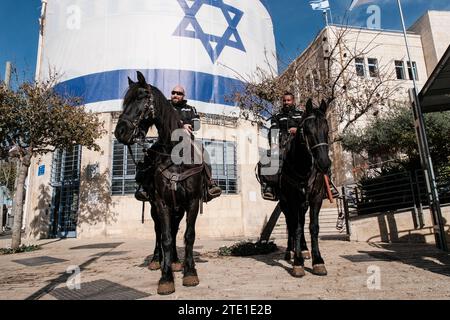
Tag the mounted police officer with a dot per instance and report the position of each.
(190, 121)
(283, 125)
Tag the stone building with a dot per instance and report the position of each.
(96, 46)
(376, 52)
(86, 194)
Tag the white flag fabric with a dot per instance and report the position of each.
(357, 3)
(203, 45)
(320, 5)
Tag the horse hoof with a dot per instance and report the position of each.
(298, 272)
(154, 265)
(166, 288)
(177, 267)
(306, 255)
(319, 270)
(287, 256)
(191, 281)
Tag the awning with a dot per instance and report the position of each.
(435, 95)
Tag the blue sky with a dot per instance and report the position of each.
(295, 24)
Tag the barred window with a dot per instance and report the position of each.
(65, 180)
(222, 156)
(124, 169)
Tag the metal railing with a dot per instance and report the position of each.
(401, 191)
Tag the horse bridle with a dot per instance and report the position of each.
(322, 144)
(149, 108)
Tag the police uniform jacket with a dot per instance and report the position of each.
(283, 121)
(188, 114)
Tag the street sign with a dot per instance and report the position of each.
(41, 170)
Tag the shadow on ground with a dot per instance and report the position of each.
(423, 256)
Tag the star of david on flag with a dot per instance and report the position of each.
(191, 28)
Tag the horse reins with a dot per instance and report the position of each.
(304, 138)
(148, 105)
(294, 182)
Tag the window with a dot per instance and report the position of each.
(309, 81)
(66, 166)
(414, 69)
(400, 70)
(223, 162)
(360, 67)
(65, 180)
(124, 169)
(373, 67)
(316, 79)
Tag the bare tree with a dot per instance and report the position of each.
(326, 70)
(36, 120)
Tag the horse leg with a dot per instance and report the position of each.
(287, 255)
(155, 264)
(285, 210)
(176, 263)
(190, 278)
(298, 269)
(166, 284)
(317, 261)
(305, 251)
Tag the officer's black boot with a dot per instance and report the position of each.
(214, 190)
(268, 193)
(141, 194)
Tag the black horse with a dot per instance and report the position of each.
(303, 186)
(177, 188)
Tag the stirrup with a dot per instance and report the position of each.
(141, 195)
(216, 192)
(269, 197)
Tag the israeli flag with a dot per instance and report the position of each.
(356, 3)
(320, 5)
(207, 46)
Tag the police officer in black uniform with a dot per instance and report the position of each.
(190, 122)
(285, 123)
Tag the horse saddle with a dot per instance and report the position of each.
(177, 177)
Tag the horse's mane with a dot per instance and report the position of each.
(167, 119)
(130, 95)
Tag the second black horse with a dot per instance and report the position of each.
(302, 186)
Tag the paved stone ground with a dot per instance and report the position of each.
(116, 269)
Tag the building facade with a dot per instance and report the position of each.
(199, 45)
(86, 194)
(364, 55)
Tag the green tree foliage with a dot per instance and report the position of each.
(35, 120)
(393, 134)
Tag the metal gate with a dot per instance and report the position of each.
(65, 181)
(402, 191)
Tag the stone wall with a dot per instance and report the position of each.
(396, 227)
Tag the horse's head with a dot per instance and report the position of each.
(138, 112)
(315, 130)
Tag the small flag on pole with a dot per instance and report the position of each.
(357, 3)
(320, 5)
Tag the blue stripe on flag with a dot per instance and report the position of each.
(112, 85)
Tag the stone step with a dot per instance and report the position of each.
(327, 220)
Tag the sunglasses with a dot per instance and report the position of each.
(177, 93)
